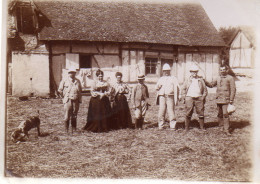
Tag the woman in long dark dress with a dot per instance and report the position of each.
(121, 112)
(99, 111)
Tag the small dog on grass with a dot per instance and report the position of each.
(21, 132)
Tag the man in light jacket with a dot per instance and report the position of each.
(167, 97)
(139, 100)
(194, 91)
(70, 90)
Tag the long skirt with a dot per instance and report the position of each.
(121, 113)
(99, 115)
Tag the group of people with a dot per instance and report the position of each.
(109, 109)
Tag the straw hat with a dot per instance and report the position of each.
(141, 77)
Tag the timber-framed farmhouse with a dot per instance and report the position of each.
(47, 37)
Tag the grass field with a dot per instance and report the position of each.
(148, 153)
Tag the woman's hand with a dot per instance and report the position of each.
(94, 94)
(121, 89)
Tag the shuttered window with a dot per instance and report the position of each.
(25, 20)
(72, 60)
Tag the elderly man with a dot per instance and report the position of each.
(194, 91)
(70, 90)
(225, 94)
(167, 97)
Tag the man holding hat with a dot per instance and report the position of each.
(70, 90)
(167, 97)
(194, 91)
(139, 99)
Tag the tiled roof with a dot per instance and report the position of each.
(168, 23)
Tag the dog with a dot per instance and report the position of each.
(21, 132)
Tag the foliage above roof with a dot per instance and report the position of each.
(166, 23)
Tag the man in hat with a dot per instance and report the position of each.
(167, 97)
(139, 99)
(225, 94)
(70, 90)
(194, 91)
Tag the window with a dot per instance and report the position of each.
(150, 65)
(25, 20)
(85, 61)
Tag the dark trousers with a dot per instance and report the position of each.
(223, 115)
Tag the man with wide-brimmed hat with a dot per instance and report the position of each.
(194, 91)
(139, 99)
(168, 93)
(70, 90)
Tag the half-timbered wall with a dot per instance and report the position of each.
(241, 52)
(133, 60)
(87, 58)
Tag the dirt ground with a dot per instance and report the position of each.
(128, 153)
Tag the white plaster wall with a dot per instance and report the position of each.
(240, 41)
(30, 74)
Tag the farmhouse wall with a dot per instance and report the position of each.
(130, 59)
(30, 74)
(58, 64)
(208, 60)
(104, 56)
(241, 41)
(241, 52)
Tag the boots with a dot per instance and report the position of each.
(137, 123)
(141, 123)
(67, 122)
(220, 122)
(226, 126)
(73, 124)
(201, 122)
(187, 124)
(173, 124)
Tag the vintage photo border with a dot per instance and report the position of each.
(256, 123)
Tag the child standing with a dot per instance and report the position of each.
(139, 99)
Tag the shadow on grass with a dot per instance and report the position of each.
(179, 125)
(148, 125)
(233, 124)
(44, 134)
(195, 124)
(239, 124)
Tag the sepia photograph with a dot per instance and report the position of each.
(129, 90)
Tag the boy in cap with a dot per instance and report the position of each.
(70, 90)
(194, 91)
(167, 97)
(225, 94)
(139, 99)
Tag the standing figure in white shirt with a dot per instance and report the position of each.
(195, 91)
(168, 91)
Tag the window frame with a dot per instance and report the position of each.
(153, 62)
(21, 21)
